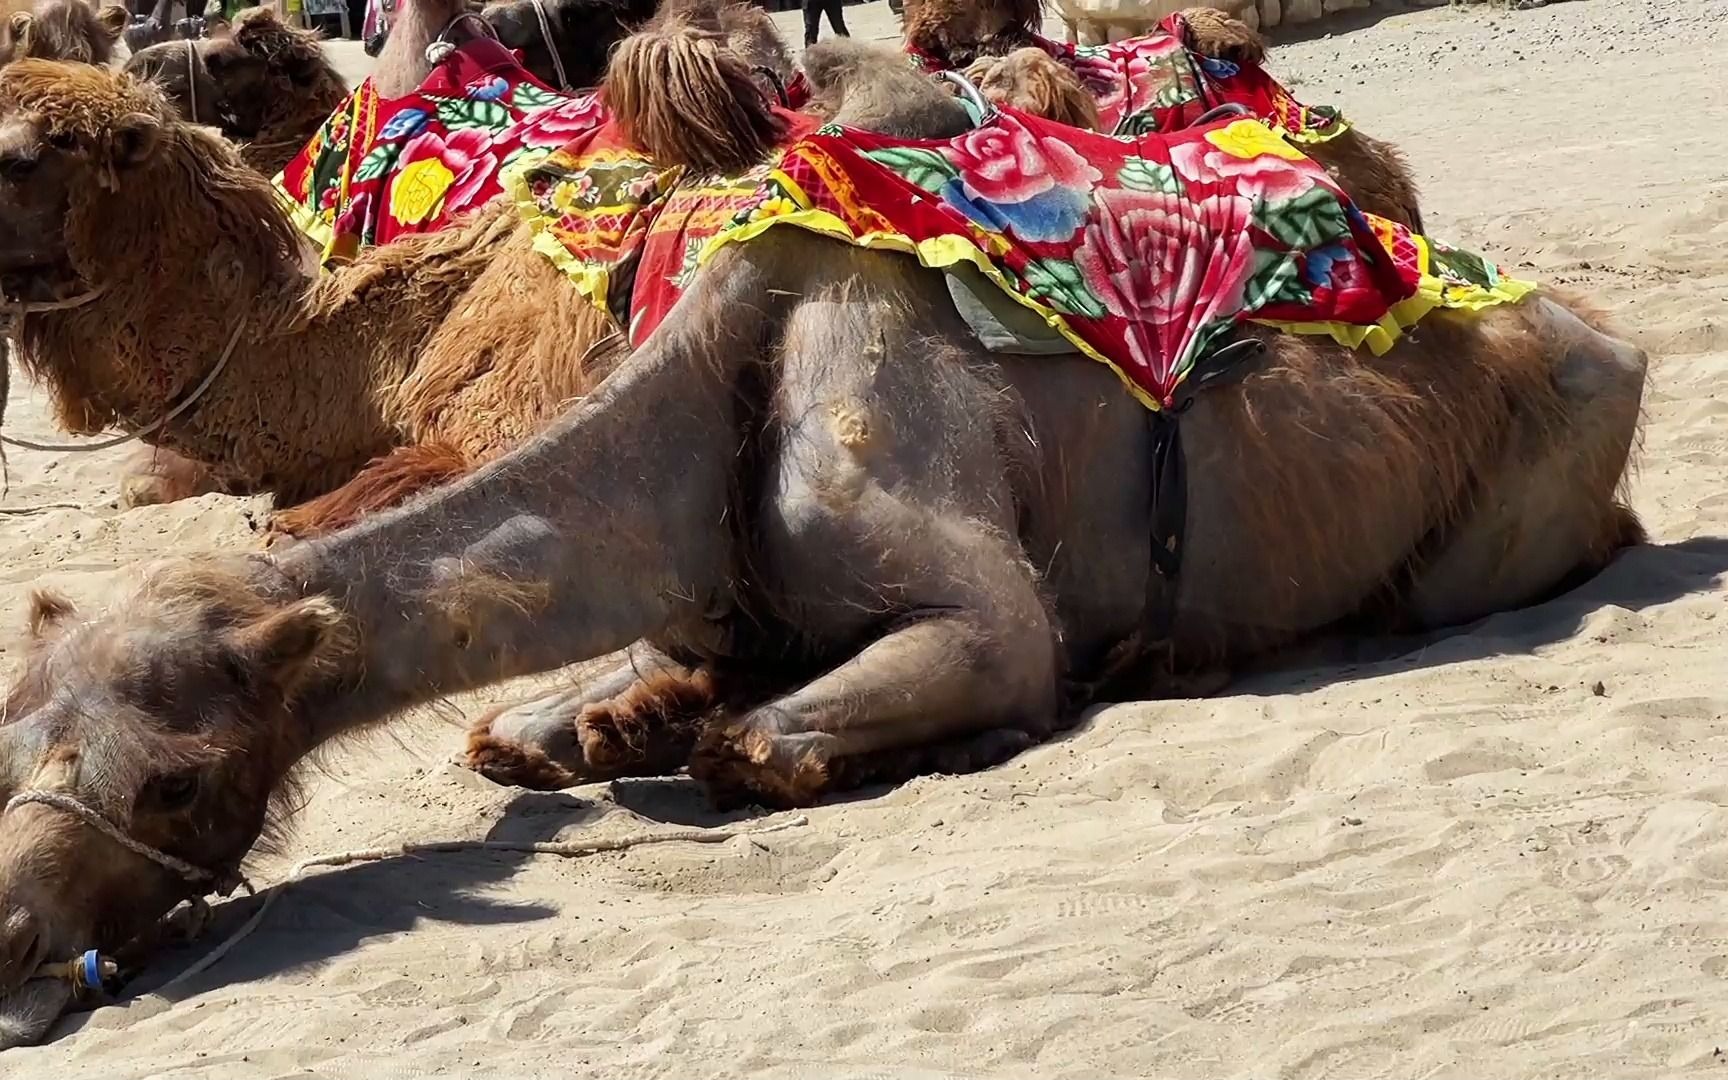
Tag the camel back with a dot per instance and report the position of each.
(1145, 254)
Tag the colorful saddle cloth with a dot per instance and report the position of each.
(1155, 83)
(379, 169)
(1144, 255)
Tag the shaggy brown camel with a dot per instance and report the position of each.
(890, 549)
(411, 366)
(960, 31)
(1372, 172)
(267, 85)
(63, 30)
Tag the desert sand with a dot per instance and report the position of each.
(1497, 854)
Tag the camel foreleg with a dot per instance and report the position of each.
(878, 532)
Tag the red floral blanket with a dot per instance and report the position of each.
(1145, 254)
(379, 169)
(1155, 83)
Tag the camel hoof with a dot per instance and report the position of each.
(750, 761)
(528, 744)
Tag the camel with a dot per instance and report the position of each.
(63, 30)
(410, 367)
(1374, 173)
(843, 541)
(960, 31)
(266, 84)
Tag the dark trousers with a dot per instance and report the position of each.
(813, 11)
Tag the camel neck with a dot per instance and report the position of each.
(606, 529)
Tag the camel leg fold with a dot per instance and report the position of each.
(886, 534)
(1549, 513)
(937, 693)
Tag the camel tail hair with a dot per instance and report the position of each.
(682, 97)
(385, 482)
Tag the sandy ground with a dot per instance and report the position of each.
(1502, 855)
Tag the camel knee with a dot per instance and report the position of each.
(157, 477)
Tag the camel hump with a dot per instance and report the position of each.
(870, 87)
(682, 96)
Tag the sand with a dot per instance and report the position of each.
(1499, 854)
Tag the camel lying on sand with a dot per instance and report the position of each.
(352, 389)
(266, 84)
(1374, 173)
(889, 549)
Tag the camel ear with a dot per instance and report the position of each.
(133, 140)
(18, 26)
(113, 18)
(47, 610)
(285, 647)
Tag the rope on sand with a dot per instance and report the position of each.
(561, 848)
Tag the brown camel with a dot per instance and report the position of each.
(266, 84)
(889, 549)
(958, 32)
(63, 30)
(408, 368)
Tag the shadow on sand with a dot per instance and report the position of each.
(1639, 578)
(332, 912)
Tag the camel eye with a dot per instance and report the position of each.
(173, 791)
(63, 140)
(17, 167)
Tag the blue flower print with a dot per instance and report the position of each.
(487, 88)
(404, 124)
(1054, 214)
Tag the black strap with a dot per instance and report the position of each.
(1227, 363)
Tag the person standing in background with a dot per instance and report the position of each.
(813, 10)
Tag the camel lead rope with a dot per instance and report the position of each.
(150, 429)
(552, 45)
(192, 79)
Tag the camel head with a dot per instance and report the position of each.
(1033, 81)
(96, 172)
(64, 30)
(960, 31)
(582, 31)
(172, 719)
(183, 78)
(259, 64)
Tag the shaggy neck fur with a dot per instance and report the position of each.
(197, 246)
(556, 552)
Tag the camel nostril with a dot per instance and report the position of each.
(23, 948)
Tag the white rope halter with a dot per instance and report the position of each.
(192, 79)
(148, 429)
(65, 803)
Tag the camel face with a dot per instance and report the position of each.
(258, 63)
(183, 78)
(242, 81)
(64, 30)
(35, 174)
(66, 131)
(183, 764)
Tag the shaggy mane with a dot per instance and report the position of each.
(683, 97)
